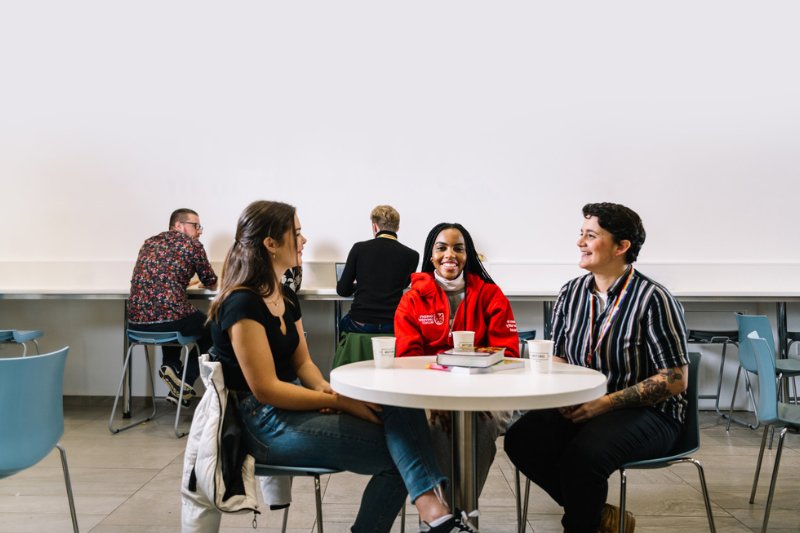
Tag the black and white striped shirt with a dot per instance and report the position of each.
(648, 334)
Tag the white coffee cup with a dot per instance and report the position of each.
(463, 340)
(541, 356)
(383, 351)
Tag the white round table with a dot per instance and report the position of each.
(410, 384)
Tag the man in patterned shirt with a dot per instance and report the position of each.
(158, 302)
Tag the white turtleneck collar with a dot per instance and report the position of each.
(450, 285)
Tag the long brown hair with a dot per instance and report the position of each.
(248, 264)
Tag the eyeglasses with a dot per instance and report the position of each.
(197, 226)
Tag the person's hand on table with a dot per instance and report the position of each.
(586, 411)
(194, 284)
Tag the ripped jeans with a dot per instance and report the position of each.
(398, 454)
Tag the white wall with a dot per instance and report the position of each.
(507, 117)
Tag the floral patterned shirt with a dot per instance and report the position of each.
(163, 270)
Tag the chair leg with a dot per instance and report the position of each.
(24, 349)
(733, 400)
(752, 399)
(403, 518)
(518, 500)
(38, 351)
(622, 492)
(180, 396)
(318, 494)
(285, 519)
(119, 392)
(719, 381)
(526, 500)
(703, 485)
(758, 463)
(69, 487)
(773, 481)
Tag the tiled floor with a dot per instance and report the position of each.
(129, 483)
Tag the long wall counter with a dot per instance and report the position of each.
(89, 317)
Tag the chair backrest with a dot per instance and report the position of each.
(355, 347)
(748, 324)
(689, 439)
(767, 387)
(31, 409)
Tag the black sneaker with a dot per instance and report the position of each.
(172, 399)
(173, 381)
(457, 523)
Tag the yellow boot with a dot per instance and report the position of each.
(609, 520)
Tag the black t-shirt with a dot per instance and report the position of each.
(243, 304)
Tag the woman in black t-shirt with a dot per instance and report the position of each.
(258, 337)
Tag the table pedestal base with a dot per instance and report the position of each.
(465, 486)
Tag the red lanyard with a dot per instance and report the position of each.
(610, 320)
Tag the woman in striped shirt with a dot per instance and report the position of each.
(631, 329)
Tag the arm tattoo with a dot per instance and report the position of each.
(671, 375)
(651, 390)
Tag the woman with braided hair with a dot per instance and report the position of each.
(455, 293)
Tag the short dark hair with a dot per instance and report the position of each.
(622, 223)
(179, 214)
(473, 265)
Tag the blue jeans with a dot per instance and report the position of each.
(348, 325)
(398, 454)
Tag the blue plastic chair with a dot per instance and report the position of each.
(21, 337)
(772, 412)
(150, 338)
(32, 424)
(688, 442)
(747, 361)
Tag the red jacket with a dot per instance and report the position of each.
(422, 320)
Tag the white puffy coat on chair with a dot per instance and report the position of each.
(208, 474)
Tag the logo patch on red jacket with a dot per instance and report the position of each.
(434, 318)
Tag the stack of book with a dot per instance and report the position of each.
(475, 360)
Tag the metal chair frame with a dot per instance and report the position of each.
(154, 339)
(13, 336)
(262, 470)
(723, 338)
